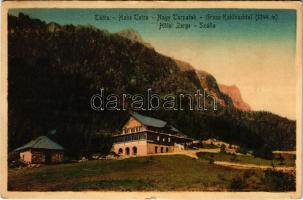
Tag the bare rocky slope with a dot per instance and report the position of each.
(235, 94)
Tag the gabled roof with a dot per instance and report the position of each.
(156, 123)
(149, 121)
(41, 142)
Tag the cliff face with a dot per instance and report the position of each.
(234, 93)
(227, 96)
(200, 79)
(209, 82)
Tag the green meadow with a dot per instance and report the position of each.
(155, 173)
(279, 160)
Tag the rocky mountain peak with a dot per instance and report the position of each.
(234, 93)
(134, 36)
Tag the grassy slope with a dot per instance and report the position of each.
(158, 173)
(289, 160)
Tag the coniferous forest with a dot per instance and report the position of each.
(53, 70)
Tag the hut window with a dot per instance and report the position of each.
(158, 138)
(169, 139)
(163, 139)
(156, 149)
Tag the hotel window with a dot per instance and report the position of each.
(158, 138)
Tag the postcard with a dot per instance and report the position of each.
(151, 100)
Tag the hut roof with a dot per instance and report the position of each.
(41, 142)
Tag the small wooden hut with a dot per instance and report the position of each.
(41, 150)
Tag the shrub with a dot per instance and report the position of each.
(248, 174)
(237, 183)
(233, 158)
(281, 159)
(242, 150)
(264, 152)
(221, 177)
(211, 161)
(14, 160)
(223, 148)
(279, 181)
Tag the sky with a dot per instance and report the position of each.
(256, 56)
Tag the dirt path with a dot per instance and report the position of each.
(253, 166)
(193, 154)
(285, 152)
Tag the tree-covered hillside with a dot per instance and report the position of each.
(54, 70)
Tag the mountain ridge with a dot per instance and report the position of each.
(206, 79)
(53, 72)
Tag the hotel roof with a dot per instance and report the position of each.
(149, 121)
(157, 123)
